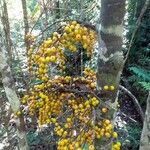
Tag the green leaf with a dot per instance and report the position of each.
(145, 85)
(36, 82)
(33, 138)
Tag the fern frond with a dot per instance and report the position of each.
(145, 85)
(142, 73)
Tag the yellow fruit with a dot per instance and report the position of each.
(71, 47)
(65, 148)
(78, 37)
(112, 88)
(95, 103)
(85, 46)
(88, 106)
(80, 106)
(118, 143)
(77, 26)
(107, 121)
(84, 38)
(73, 22)
(24, 101)
(48, 120)
(75, 107)
(47, 59)
(68, 119)
(56, 124)
(18, 113)
(48, 50)
(107, 129)
(67, 29)
(106, 87)
(52, 59)
(72, 27)
(64, 134)
(92, 85)
(98, 136)
(87, 102)
(104, 110)
(85, 29)
(107, 135)
(94, 99)
(53, 120)
(116, 147)
(42, 60)
(55, 34)
(65, 35)
(49, 41)
(62, 130)
(110, 126)
(71, 147)
(77, 144)
(55, 38)
(115, 135)
(74, 49)
(59, 133)
(91, 147)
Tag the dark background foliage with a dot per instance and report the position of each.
(136, 75)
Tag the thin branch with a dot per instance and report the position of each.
(138, 22)
(45, 12)
(39, 17)
(58, 21)
(25, 16)
(128, 117)
(6, 27)
(88, 25)
(135, 101)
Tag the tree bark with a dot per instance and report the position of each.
(26, 24)
(13, 99)
(57, 11)
(6, 27)
(110, 59)
(145, 136)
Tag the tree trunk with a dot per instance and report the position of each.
(13, 99)
(145, 136)
(26, 25)
(6, 28)
(110, 58)
(57, 11)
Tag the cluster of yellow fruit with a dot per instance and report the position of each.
(109, 88)
(52, 49)
(74, 34)
(116, 146)
(48, 54)
(65, 102)
(88, 72)
(50, 97)
(58, 102)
